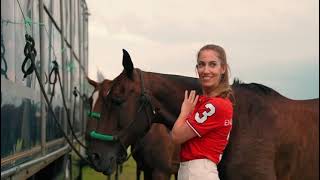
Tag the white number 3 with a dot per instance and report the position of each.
(205, 114)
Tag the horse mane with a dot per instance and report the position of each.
(178, 78)
(254, 87)
(237, 83)
(185, 81)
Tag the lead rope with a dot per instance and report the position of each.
(56, 73)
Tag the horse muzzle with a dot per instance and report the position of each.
(106, 161)
(103, 164)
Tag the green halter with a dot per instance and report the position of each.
(96, 135)
(102, 137)
(95, 115)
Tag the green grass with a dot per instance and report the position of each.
(128, 172)
(89, 173)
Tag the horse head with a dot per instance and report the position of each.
(121, 114)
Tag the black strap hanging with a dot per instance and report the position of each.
(30, 53)
(4, 69)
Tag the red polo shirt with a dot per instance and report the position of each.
(211, 120)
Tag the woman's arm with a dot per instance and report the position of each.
(181, 131)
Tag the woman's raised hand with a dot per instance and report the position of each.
(189, 102)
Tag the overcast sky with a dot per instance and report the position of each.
(271, 42)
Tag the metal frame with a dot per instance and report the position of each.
(29, 168)
(25, 167)
(42, 70)
(35, 150)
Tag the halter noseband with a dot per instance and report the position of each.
(102, 137)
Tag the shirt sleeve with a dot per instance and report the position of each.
(206, 117)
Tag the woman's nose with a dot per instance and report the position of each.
(206, 69)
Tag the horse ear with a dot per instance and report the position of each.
(92, 82)
(127, 63)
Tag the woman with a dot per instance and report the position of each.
(205, 121)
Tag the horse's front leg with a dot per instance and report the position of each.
(160, 175)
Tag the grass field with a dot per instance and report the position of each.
(128, 173)
(128, 170)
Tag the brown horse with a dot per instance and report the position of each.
(273, 137)
(157, 159)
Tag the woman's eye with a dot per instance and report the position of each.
(212, 64)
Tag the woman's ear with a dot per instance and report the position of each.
(224, 69)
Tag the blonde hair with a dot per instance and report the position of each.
(224, 89)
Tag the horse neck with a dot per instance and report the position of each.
(167, 93)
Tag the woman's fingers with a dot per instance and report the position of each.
(191, 96)
(186, 94)
(196, 100)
